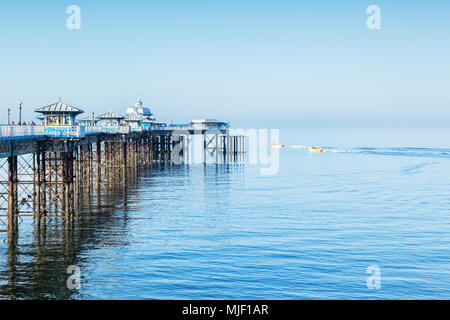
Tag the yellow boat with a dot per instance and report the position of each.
(314, 149)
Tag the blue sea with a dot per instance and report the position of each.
(375, 198)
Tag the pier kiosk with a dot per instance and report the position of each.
(111, 122)
(59, 120)
(59, 114)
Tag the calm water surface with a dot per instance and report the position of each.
(376, 197)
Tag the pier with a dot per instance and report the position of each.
(44, 169)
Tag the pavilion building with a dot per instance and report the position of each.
(134, 121)
(110, 119)
(209, 124)
(140, 110)
(141, 116)
(59, 114)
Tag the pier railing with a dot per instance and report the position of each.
(114, 129)
(89, 130)
(36, 132)
(65, 131)
(22, 132)
(177, 127)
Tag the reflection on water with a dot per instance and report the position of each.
(38, 255)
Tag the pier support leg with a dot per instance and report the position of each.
(67, 158)
(124, 162)
(12, 194)
(98, 159)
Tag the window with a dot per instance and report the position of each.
(52, 120)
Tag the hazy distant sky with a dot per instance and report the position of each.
(257, 63)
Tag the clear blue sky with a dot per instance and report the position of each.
(257, 63)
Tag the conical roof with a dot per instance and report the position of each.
(88, 118)
(59, 107)
(110, 115)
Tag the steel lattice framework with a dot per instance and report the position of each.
(47, 178)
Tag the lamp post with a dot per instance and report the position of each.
(20, 112)
(9, 116)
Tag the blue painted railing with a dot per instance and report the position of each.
(65, 131)
(21, 132)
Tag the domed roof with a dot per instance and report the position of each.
(139, 109)
(110, 115)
